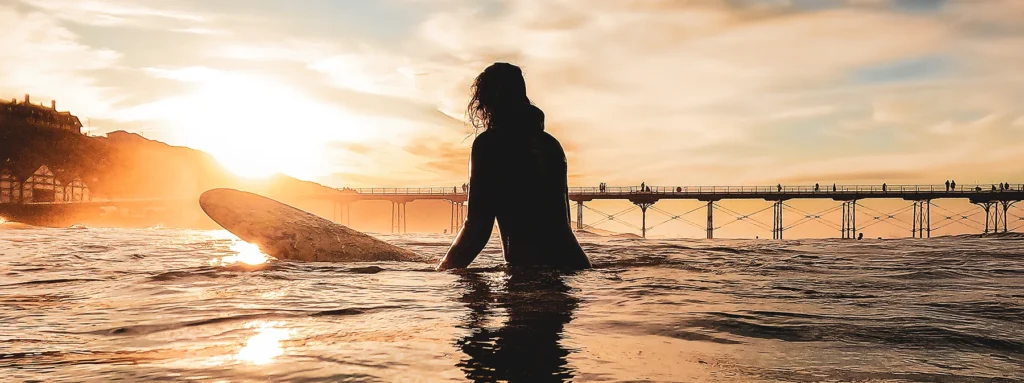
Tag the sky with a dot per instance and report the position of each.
(668, 92)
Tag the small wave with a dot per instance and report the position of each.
(52, 281)
(160, 327)
(930, 274)
(899, 336)
(204, 272)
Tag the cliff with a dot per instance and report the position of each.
(128, 166)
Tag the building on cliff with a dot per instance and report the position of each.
(43, 186)
(28, 180)
(38, 115)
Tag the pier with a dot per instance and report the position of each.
(996, 208)
(993, 200)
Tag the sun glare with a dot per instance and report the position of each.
(256, 126)
(245, 253)
(263, 347)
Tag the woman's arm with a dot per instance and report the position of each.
(480, 215)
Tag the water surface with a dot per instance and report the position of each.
(94, 304)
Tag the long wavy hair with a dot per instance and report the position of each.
(499, 89)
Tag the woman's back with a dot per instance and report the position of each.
(518, 175)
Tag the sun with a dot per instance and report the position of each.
(256, 126)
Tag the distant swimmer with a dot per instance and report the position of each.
(514, 150)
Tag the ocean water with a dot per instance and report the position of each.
(90, 304)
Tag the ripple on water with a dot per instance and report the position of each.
(136, 305)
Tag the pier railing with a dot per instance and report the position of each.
(692, 190)
(449, 190)
(801, 189)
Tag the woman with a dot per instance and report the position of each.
(517, 176)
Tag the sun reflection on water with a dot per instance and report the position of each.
(246, 253)
(263, 347)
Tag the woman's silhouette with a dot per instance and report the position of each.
(518, 174)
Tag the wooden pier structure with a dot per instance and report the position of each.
(995, 200)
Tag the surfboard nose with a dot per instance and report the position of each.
(215, 196)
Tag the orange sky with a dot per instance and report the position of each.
(726, 92)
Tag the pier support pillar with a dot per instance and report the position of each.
(341, 213)
(579, 215)
(457, 216)
(711, 220)
(643, 216)
(991, 215)
(398, 217)
(849, 224)
(777, 224)
(1006, 215)
(922, 219)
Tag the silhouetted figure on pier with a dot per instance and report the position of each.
(833, 188)
(947, 185)
(513, 150)
(779, 186)
(643, 186)
(815, 187)
(883, 187)
(952, 185)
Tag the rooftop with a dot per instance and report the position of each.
(39, 114)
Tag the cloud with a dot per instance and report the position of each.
(116, 13)
(661, 79)
(711, 91)
(44, 59)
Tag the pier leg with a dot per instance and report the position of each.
(777, 225)
(928, 221)
(853, 218)
(392, 217)
(579, 215)
(643, 216)
(844, 227)
(711, 220)
(987, 206)
(643, 221)
(452, 218)
(398, 217)
(1006, 214)
(913, 227)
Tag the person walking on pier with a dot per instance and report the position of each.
(883, 186)
(513, 149)
(947, 186)
(815, 187)
(833, 188)
(779, 186)
(952, 185)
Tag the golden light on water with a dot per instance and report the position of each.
(263, 347)
(245, 253)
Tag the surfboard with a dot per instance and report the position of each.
(286, 232)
